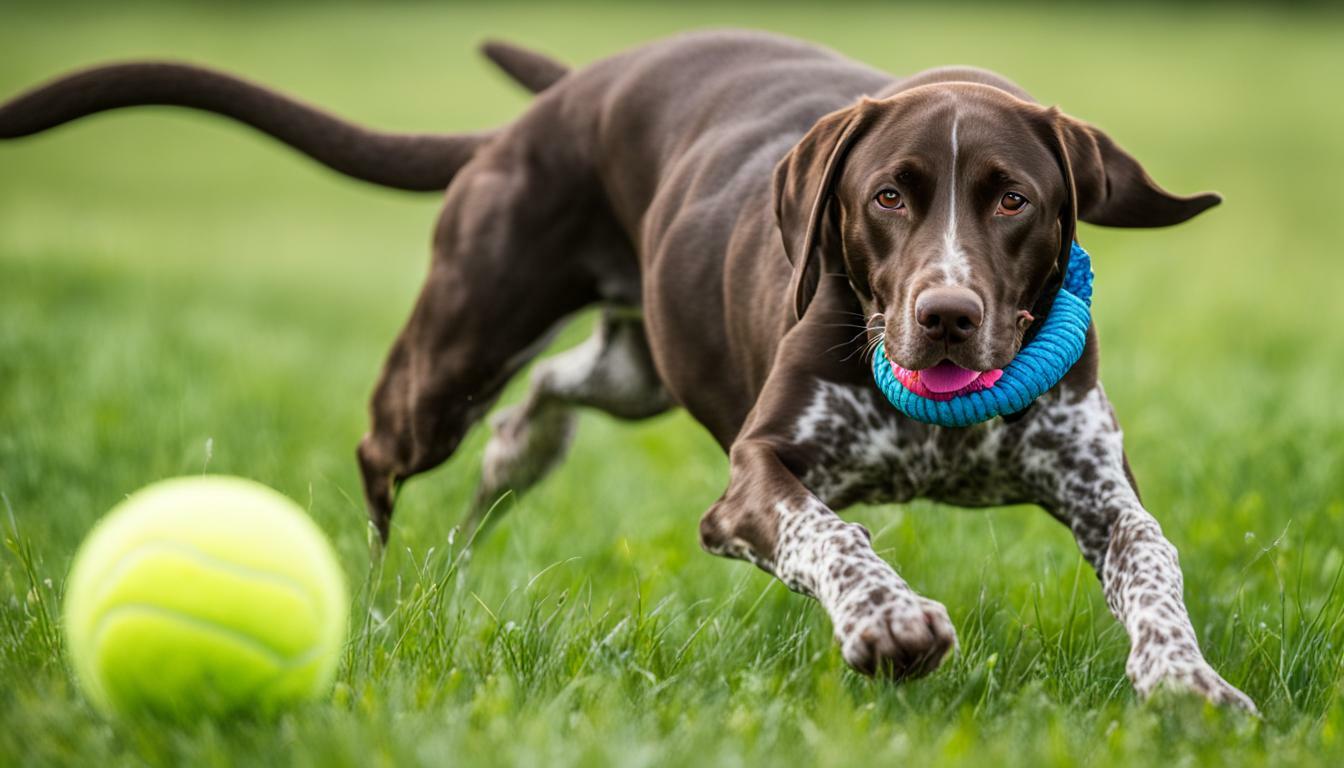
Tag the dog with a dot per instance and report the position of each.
(749, 211)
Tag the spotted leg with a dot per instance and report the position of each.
(769, 518)
(1138, 567)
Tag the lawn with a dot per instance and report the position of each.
(178, 295)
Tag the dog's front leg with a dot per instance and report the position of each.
(1138, 567)
(769, 518)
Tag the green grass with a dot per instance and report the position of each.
(169, 282)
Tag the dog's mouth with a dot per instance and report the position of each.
(946, 380)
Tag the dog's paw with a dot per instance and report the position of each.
(525, 444)
(1185, 675)
(897, 638)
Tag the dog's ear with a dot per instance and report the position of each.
(1112, 189)
(803, 183)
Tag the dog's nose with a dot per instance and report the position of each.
(949, 313)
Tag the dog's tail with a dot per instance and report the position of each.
(421, 162)
(534, 71)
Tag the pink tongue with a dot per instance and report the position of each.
(946, 377)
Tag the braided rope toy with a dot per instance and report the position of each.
(1036, 369)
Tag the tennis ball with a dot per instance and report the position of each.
(204, 596)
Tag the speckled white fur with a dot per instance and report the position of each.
(1066, 454)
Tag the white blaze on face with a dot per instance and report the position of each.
(955, 266)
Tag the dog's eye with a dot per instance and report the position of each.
(1011, 204)
(890, 199)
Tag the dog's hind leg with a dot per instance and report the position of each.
(503, 273)
(611, 371)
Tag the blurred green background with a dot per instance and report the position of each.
(178, 294)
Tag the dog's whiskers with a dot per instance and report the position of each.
(845, 325)
(849, 341)
(871, 348)
(874, 325)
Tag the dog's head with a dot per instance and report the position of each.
(950, 208)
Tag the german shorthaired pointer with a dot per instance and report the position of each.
(740, 204)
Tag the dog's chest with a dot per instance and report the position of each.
(860, 449)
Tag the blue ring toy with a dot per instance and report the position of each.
(1036, 369)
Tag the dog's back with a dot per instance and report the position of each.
(731, 182)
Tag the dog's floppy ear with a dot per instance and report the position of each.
(1112, 189)
(803, 183)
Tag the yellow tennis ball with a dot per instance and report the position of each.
(205, 596)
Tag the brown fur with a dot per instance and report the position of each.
(718, 192)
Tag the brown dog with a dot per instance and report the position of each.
(751, 210)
